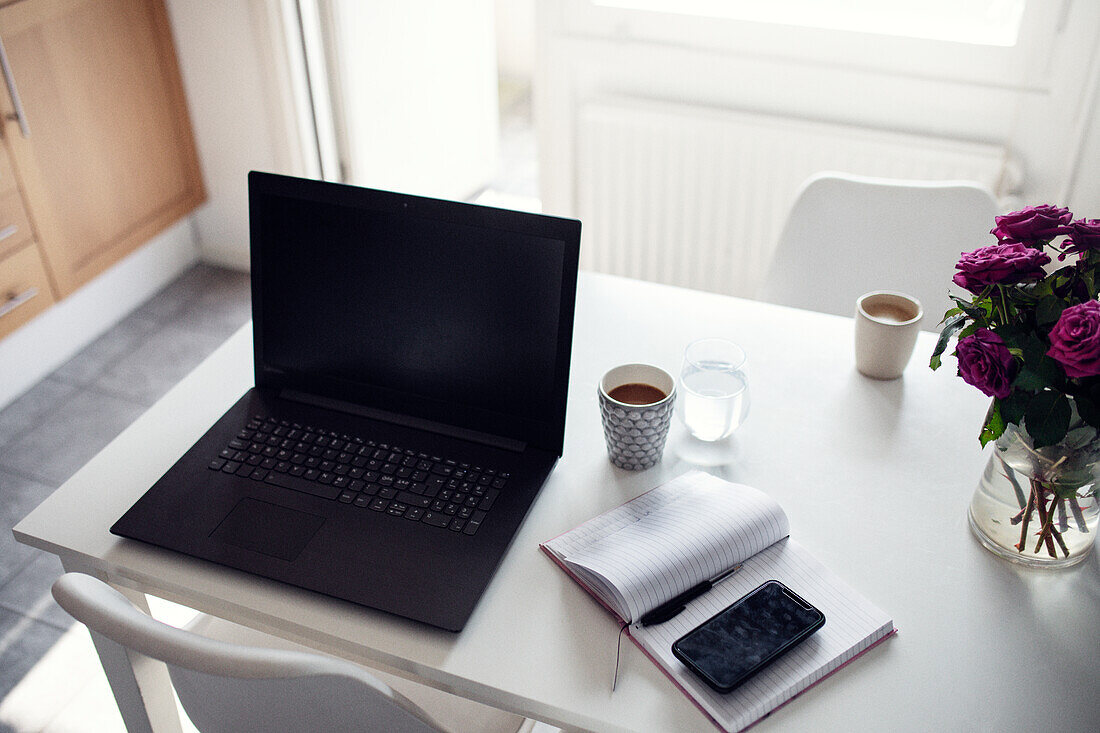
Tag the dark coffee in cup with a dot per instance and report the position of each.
(636, 402)
(636, 393)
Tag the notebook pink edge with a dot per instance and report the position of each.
(686, 693)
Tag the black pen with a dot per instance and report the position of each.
(672, 607)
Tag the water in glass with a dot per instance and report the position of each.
(715, 394)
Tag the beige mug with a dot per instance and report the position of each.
(887, 324)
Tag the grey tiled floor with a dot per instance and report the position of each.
(54, 428)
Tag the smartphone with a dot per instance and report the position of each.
(736, 643)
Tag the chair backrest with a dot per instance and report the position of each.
(230, 687)
(847, 235)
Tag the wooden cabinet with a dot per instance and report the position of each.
(15, 227)
(99, 149)
(24, 288)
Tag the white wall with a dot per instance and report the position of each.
(417, 80)
(515, 34)
(1084, 198)
(235, 115)
(421, 87)
(1082, 183)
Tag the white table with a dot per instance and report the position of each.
(875, 476)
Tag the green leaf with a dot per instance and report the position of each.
(969, 330)
(1034, 349)
(1038, 374)
(1030, 380)
(1079, 438)
(1069, 483)
(1012, 335)
(1088, 277)
(963, 303)
(1088, 410)
(1047, 417)
(1027, 293)
(949, 330)
(994, 424)
(1048, 310)
(950, 314)
(1013, 406)
(1052, 372)
(1041, 289)
(978, 309)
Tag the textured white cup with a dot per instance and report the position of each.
(887, 324)
(636, 434)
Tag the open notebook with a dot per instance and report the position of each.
(692, 529)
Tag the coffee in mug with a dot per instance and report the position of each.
(636, 402)
(637, 393)
(886, 330)
(893, 312)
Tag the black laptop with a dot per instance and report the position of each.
(412, 365)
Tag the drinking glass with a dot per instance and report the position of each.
(715, 388)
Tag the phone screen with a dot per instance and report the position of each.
(741, 640)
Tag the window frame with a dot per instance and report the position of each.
(1026, 65)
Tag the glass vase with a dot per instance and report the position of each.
(1038, 507)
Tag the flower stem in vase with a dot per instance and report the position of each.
(1011, 476)
(1027, 518)
(1019, 509)
(1078, 515)
(1048, 533)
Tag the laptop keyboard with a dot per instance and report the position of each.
(399, 481)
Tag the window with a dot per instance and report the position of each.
(998, 43)
(981, 22)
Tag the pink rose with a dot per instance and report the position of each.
(1033, 224)
(999, 264)
(1075, 340)
(1084, 236)
(986, 363)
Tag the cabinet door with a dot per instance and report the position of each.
(24, 288)
(109, 160)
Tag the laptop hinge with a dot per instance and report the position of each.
(451, 431)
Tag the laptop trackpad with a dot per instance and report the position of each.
(268, 528)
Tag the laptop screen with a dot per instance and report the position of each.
(437, 310)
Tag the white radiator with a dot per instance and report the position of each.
(697, 197)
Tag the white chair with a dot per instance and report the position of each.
(847, 235)
(236, 688)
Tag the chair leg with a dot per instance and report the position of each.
(141, 686)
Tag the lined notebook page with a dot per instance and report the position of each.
(852, 625)
(670, 539)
